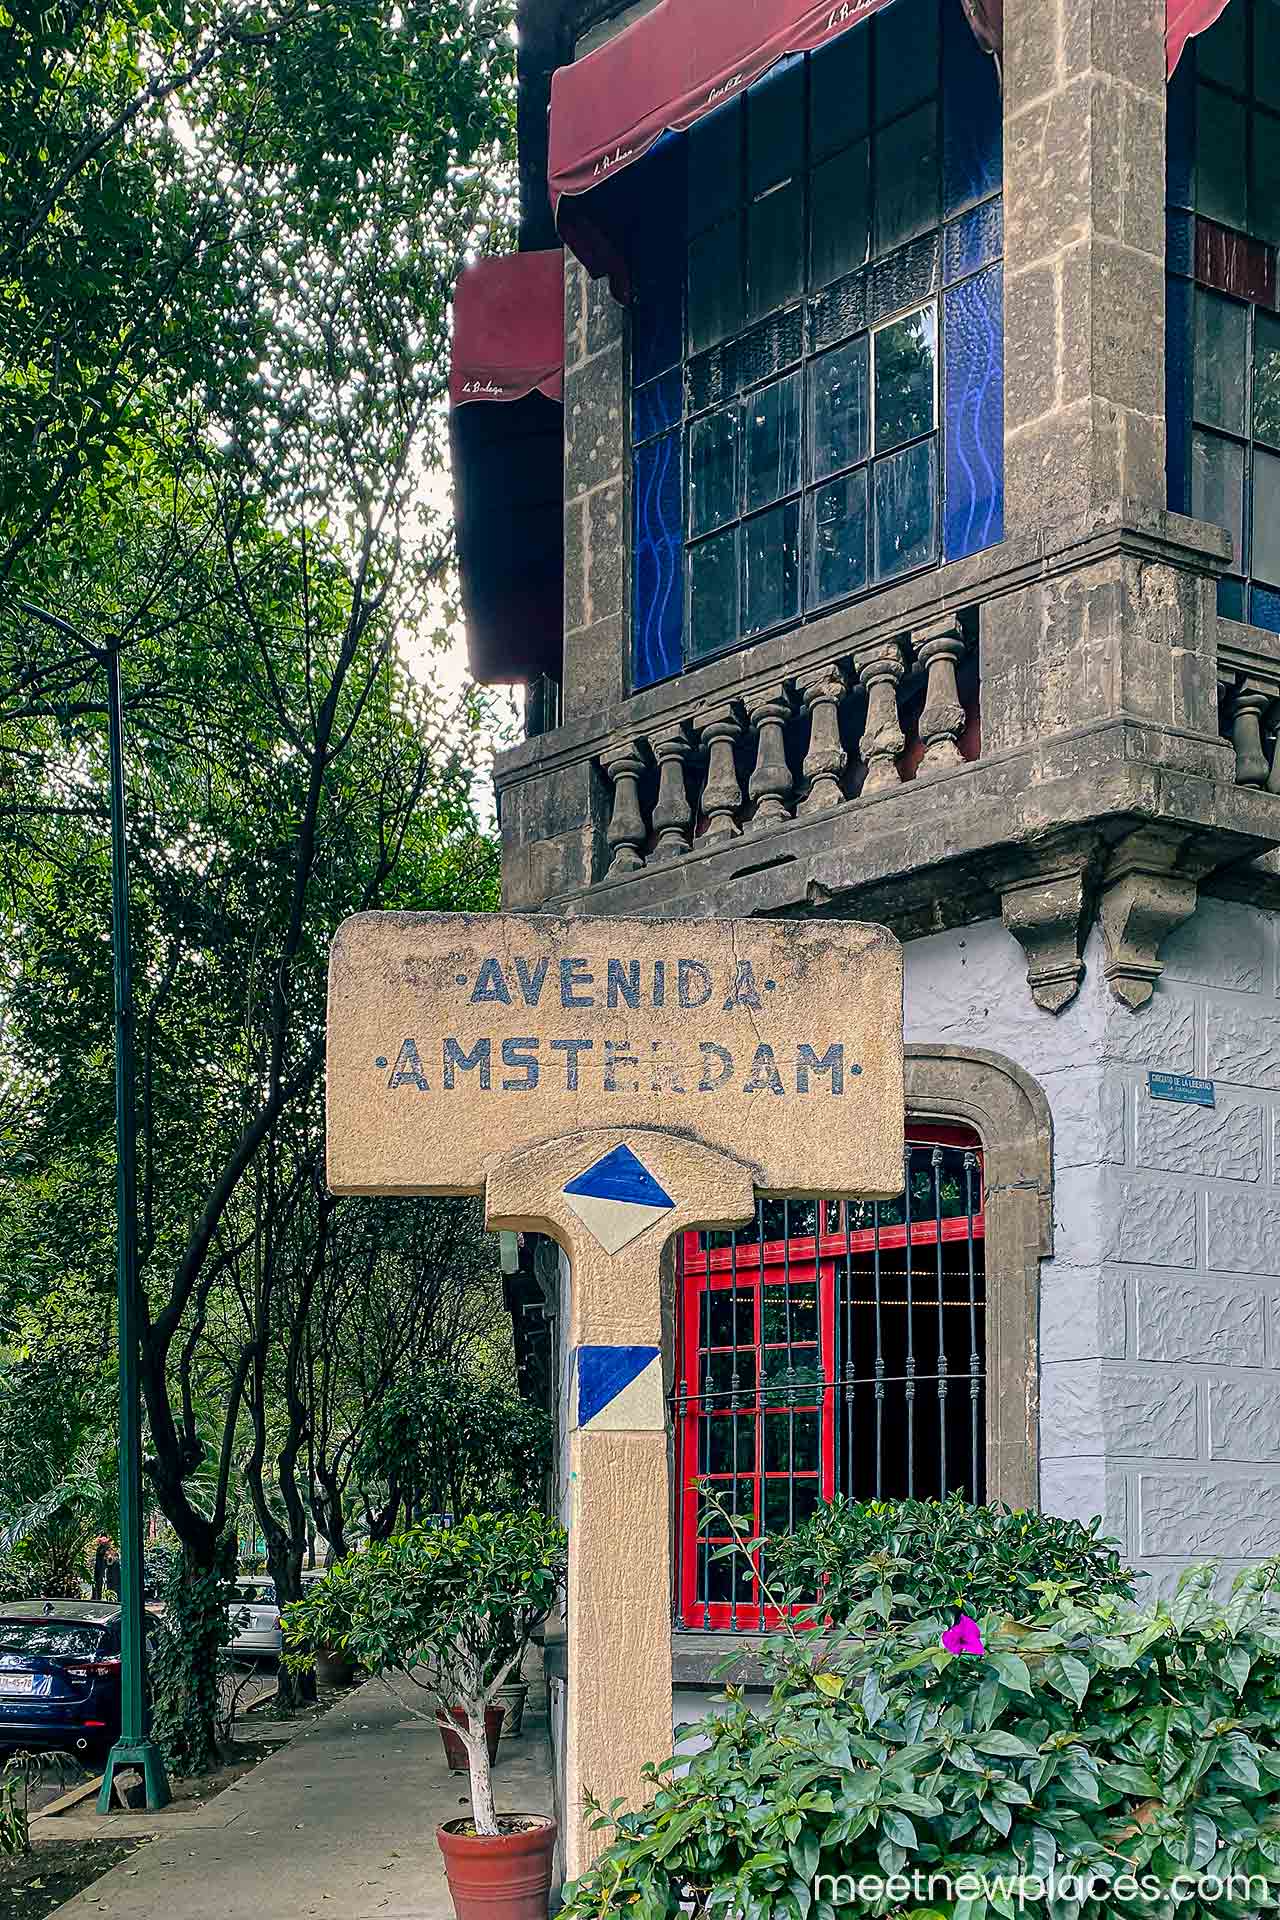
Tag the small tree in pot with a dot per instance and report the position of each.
(451, 1610)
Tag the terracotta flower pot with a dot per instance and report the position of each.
(334, 1668)
(455, 1751)
(506, 1876)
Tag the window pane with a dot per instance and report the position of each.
(839, 212)
(713, 472)
(905, 357)
(906, 178)
(1217, 486)
(1266, 378)
(775, 127)
(906, 58)
(656, 407)
(1231, 599)
(719, 1439)
(713, 594)
(655, 330)
(838, 560)
(715, 166)
(906, 510)
(715, 285)
(838, 93)
(973, 490)
(1220, 357)
(838, 409)
(1264, 200)
(775, 249)
(1265, 559)
(1220, 157)
(972, 119)
(1266, 51)
(771, 568)
(1220, 53)
(658, 605)
(789, 1503)
(771, 456)
(791, 1442)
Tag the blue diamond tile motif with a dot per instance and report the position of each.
(605, 1374)
(618, 1199)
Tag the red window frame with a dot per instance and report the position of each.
(802, 1260)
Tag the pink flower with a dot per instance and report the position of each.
(964, 1636)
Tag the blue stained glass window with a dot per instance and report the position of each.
(657, 561)
(1264, 609)
(973, 319)
(973, 241)
(972, 125)
(1177, 382)
(657, 407)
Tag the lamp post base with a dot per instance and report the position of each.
(145, 1757)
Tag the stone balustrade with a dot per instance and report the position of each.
(899, 711)
(1249, 703)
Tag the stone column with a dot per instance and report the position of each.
(1084, 200)
(883, 739)
(1247, 709)
(770, 785)
(826, 760)
(939, 650)
(627, 833)
(672, 816)
(722, 795)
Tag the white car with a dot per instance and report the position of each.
(255, 1618)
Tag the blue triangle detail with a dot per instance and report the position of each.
(602, 1374)
(620, 1176)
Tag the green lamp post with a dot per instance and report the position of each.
(133, 1749)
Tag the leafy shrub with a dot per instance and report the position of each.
(451, 1609)
(1098, 1742)
(960, 1556)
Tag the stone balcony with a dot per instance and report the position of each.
(1055, 729)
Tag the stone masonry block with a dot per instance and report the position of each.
(1082, 1313)
(594, 424)
(1222, 1143)
(1204, 1514)
(1243, 1233)
(594, 667)
(603, 318)
(606, 553)
(1223, 947)
(1095, 1407)
(575, 566)
(1162, 1035)
(1196, 1320)
(1083, 1489)
(1244, 1419)
(1151, 1222)
(1031, 312)
(1243, 1044)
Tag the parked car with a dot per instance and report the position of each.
(255, 1618)
(60, 1676)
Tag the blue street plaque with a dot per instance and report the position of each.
(1183, 1087)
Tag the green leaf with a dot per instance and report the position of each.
(874, 1698)
(1013, 1671)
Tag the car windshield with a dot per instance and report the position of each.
(64, 1639)
(263, 1591)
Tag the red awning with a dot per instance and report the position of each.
(508, 329)
(668, 69)
(508, 463)
(1184, 19)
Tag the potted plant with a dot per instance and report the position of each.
(451, 1611)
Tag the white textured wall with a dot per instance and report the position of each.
(1160, 1313)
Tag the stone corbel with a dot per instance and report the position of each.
(1046, 916)
(1148, 889)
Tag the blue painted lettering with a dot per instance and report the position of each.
(573, 975)
(491, 984)
(713, 1057)
(664, 1069)
(691, 977)
(659, 983)
(571, 1049)
(532, 980)
(407, 1071)
(832, 1062)
(523, 1055)
(455, 1060)
(615, 1057)
(764, 1077)
(624, 982)
(744, 992)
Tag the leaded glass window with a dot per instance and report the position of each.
(1223, 359)
(817, 338)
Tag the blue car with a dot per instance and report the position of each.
(60, 1676)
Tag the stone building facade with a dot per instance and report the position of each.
(1042, 752)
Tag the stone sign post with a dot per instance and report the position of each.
(613, 1083)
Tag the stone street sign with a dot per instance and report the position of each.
(614, 1083)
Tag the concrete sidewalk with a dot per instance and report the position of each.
(341, 1822)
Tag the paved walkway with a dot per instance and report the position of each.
(341, 1822)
